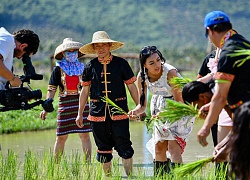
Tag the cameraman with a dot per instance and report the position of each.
(22, 41)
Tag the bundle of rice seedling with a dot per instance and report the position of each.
(179, 82)
(173, 112)
(114, 108)
(193, 167)
(150, 123)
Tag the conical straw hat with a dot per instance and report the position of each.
(67, 44)
(100, 37)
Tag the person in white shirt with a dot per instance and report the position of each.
(15, 45)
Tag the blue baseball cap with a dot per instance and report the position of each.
(215, 17)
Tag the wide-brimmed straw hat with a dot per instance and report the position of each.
(67, 44)
(100, 37)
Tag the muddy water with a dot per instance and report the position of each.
(41, 141)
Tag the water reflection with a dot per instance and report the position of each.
(41, 141)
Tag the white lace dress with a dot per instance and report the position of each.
(180, 130)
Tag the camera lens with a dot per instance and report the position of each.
(35, 94)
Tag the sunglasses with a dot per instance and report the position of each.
(148, 50)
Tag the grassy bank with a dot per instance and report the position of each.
(28, 120)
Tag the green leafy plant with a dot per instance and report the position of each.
(151, 122)
(114, 108)
(179, 82)
(193, 167)
(176, 110)
(173, 112)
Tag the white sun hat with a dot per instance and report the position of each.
(67, 44)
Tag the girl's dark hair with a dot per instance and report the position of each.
(28, 37)
(240, 143)
(142, 58)
(191, 91)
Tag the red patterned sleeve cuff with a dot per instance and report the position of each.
(84, 83)
(131, 80)
(224, 76)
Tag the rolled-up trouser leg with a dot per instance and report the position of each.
(104, 157)
(126, 154)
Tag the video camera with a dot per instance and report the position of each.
(16, 98)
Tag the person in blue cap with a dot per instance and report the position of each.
(232, 81)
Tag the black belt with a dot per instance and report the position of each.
(168, 97)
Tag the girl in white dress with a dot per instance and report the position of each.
(155, 75)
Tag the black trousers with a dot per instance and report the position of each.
(214, 130)
(112, 134)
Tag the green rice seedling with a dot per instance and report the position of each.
(114, 108)
(8, 166)
(152, 122)
(115, 170)
(193, 167)
(63, 170)
(222, 170)
(12, 164)
(30, 166)
(141, 171)
(48, 164)
(45, 167)
(78, 164)
(75, 162)
(173, 112)
(179, 82)
(87, 169)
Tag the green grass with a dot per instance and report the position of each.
(17, 121)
